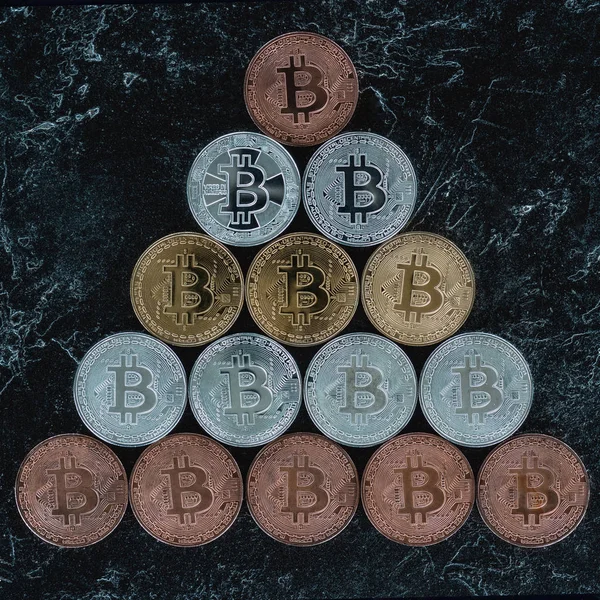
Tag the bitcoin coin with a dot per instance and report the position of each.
(245, 389)
(360, 389)
(418, 489)
(418, 288)
(532, 491)
(302, 289)
(359, 189)
(130, 389)
(302, 489)
(244, 189)
(187, 289)
(71, 490)
(301, 88)
(476, 389)
(186, 490)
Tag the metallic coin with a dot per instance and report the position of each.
(302, 289)
(71, 490)
(130, 389)
(532, 491)
(244, 189)
(245, 389)
(476, 389)
(418, 288)
(301, 88)
(186, 490)
(302, 489)
(418, 489)
(359, 189)
(360, 389)
(186, 289)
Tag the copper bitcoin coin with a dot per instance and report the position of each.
(418, 489)
(302, 289)
(301, 89)
(532, 491)
(71, 490)
(187, 289)
(418, 288)
(186, 490)
(302, 489)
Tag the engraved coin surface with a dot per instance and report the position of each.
(418, 489)
(476, 389)
(360, 389)
(532, 491)
(245, 389)
(244, 189)
(186, 490)
(301, 88)
(302, 289)
(418, 288)
(71, 490)
(302, 489)
(359, 189)
(187, 289)
(130, 389)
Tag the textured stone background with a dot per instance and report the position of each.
(103, 110)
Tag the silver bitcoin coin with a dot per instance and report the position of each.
(359, 189)
(476, 389)
(360, 389)
(245, 389)
(244, 189)
(130, 389)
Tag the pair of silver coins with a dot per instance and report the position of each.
(359, 189)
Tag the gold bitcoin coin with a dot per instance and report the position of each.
(302, 289)
(186, 289)
(418, 288)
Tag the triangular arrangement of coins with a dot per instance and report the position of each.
(302, 289)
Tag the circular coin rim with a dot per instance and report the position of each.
(308, 404)
(426, 411)
(20, 471)
(334, 236)
(277, 441)
(383, 247)
(208, 426)
(254, 241)
(133, 504)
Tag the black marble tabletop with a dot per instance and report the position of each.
(102, 111)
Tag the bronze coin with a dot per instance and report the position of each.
(186, 490)
(302, 289)
(301, 88)
(302, 489)
(418, 489)
(187, 289)
(532, 491)
(71, 490)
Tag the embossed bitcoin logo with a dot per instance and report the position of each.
(248, 394)
(190, 291)
(305, 93)
(363, 395)
(133, 394)
(74, 493)
(479, 394)
(189, 492)
(420, 292)
(421, 493)
(534, 494)
(363, 193)
(306, 493)
(306, 295)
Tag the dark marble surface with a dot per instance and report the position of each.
(103, 110)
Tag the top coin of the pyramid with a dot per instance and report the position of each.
(301, 89)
